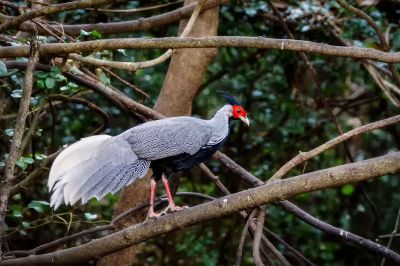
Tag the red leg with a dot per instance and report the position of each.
(153, 187)
(171, 204)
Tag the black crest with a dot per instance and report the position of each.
(229, 98)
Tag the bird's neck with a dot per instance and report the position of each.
(220, 124)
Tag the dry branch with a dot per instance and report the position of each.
(133, 66)
(339, 232)
(304, 156)
(53, 9)
(15, 148)
(243, 235)
(270, 192)
(257, 236)
(142, 24)
(205, 42)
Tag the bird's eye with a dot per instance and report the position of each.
(238, 111)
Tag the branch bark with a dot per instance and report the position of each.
(205, 42)
(15, 148)
(53, 9)
(270, 192)
(142, 24)
(175, 98)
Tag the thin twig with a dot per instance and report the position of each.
(317, 82)
(136, 10)
(32, 127)
(239, 253)
(277, 254)
(396, 228)
(53, 9)
(304, 156)
(339, 232)
(39, 171)
(133, 66)
(257, 236)
(294, 251)
(130, 85)
(384, 44)
(89, 105)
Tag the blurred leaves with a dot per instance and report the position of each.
(286, 114)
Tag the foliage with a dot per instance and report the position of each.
(287, 116)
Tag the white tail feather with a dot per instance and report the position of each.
(69, 158)
(93, 167)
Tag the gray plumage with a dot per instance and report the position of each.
(98, 165)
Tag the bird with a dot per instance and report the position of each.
(101, 164)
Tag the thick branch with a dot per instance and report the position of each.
(205, 42)
(270, 192)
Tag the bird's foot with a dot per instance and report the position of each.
(155, 215)
(168, 209)
(174, 208)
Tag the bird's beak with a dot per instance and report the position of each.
(245, 120)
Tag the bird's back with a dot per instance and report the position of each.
(168, 137)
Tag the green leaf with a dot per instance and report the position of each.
(28, 160)
(39, 132)
(85, 33)
(90, 216)
(347, 190)
(2, 164)
(9, 132)
(104, 79)
(60, 78)
(40, 84)
(26, 224)
(22, 59)
(55, 70)
(39, 205)
(40, 156)
(41, 74)
(21, 164)
(3, 68)
(16, 94)
(17, 214)
(69, 86)
(96, 34)
(50, 83)
(122, 51)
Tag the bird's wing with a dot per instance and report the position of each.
(168, 137)
(109, 164)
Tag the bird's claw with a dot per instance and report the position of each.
(168, 209)
(174, 208)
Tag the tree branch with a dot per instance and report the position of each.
(304, 156)
(243, 235)
(270, 192)
(205, 42)
(133, 66)
(257, 236)
(53, 9)
(339, 232)
(15, 149)
(142, 24)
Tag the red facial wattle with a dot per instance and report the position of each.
(239, 113)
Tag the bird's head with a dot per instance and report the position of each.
(238, 111)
